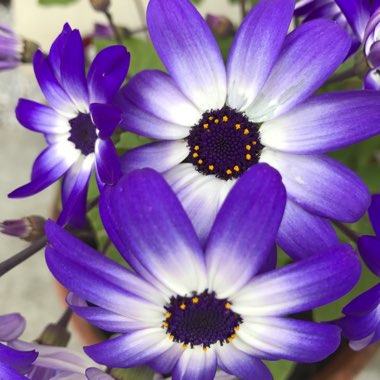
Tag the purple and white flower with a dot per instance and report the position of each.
(11, 48)
(77, 124)
(361, 325)
(185, 310)
(216, 123)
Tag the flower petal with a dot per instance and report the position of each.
(245, 230)
(51, 88)
(369, 248)
(255, 49)
(9, 373)
(107, 73)
(98, 279)
(130, 350)
(40, 118)
(240, 364)
(200, 196)
(325, 122)
(155, 236)
(195, 364)
(301, 286)
(156, 93)
(19, 360)
(11, 326)
(165, 362)
(136, 120)
(160, 156)
(106, 117)
(290, 339)
(310, 55)
(50, 165)
(73, 75)
(303, 234)
(321, 185)
(364, 303)
(189, 51)
(374, 213)
(108, 165)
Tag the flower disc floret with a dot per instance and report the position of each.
(202, 319)
(83, 133)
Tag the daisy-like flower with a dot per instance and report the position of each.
(11, 48)
(217, 123)
(77, 124)
(369, 246)
(361, 325)
(185, 311)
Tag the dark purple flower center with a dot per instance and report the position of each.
(201, 319)
(83, 133)
(224, 143)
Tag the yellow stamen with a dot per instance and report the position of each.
(229, 171)
(253, 142)
(237, 328)
(248, 156)
(246, 131)
(211, 118)
(184, 346)
(165, 324)
(205, 126)
(196, 147)
(211, 167)
(183, 306)
(225, 118)
(248, 147)
(236, 168)
(195, 300)
(237, 126)
(200, 162)
(204, 349)
(195, 155)
(216, 121)
(227, 305)
(168, 315)
(171, 337)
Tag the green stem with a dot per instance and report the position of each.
(352, 235)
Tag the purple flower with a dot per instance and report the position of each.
(11, 47)
(77, 124)
(217, 122)
(13, 362)
(369, 246)
(361, 325)
(185, 310)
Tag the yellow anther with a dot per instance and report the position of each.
(183, 306)
(165, 324)
(196, 147)
(229, 171)
(233, 336)
(248, 147)
(225, 118)
(195, 155)
(171, 337)
(227, 305)
(237, 328)
(246, 131)
(184, 346)
(200, 162)
(248, 156)
(168, 315)
(254, 143)
(236, 168)
(237, 126)
(211, 117)
(211, 167)
(205, 126)
(216, 121)
(204, 349)
(195, 300)
(229, 340)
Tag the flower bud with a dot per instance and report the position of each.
(30, 228)
(100, 5)
(220, 25)
(54, 335)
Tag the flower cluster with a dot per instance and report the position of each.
(239, 167)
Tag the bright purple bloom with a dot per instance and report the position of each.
(217, 122)
(11, 47)
(361, 325)
(176, 283)
(369, 246)
(77, 124)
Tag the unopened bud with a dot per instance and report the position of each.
(54, 335)
(30, 228)
(28, 51)
(100, 5)
(220, 25)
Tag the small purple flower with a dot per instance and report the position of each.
(218, 122)
(369, 246)
(30, 228)
(11, 48)
(185, 310)
(361, 325)
(77, 124)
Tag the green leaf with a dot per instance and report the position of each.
(56, 2)
(130, 140)
(280, 369)
(140, 373)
